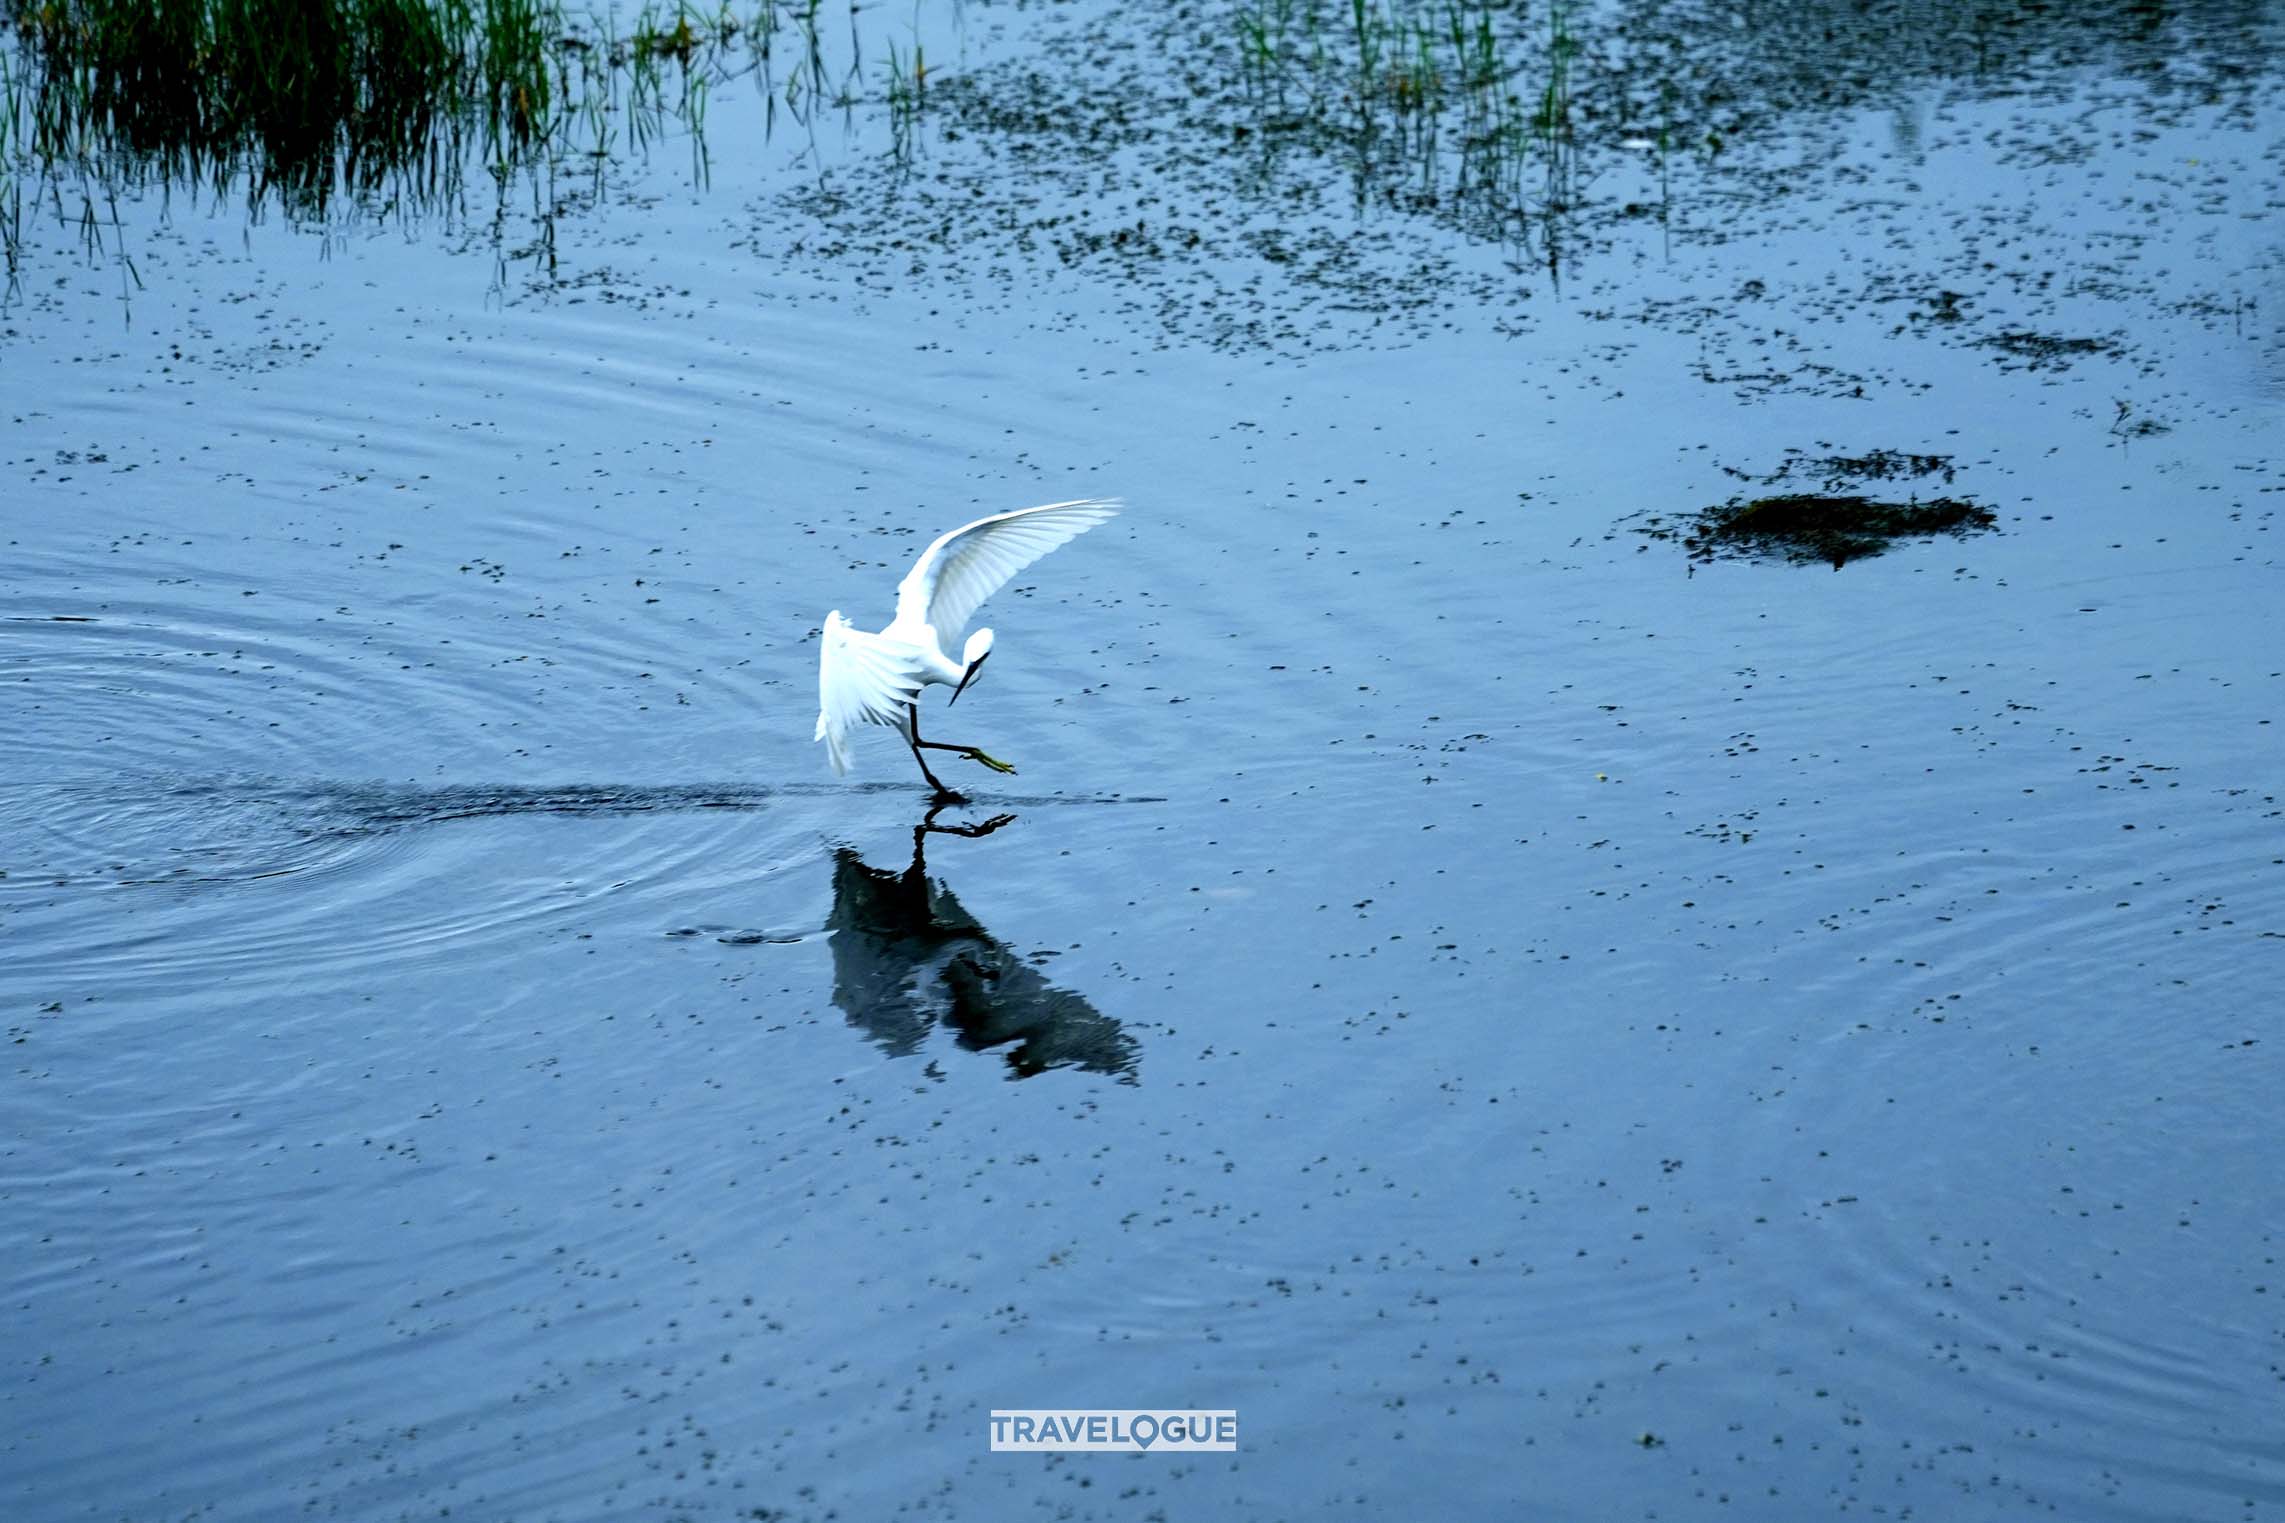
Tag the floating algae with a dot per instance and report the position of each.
(1805, 527)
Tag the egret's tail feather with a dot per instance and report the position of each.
(860, 680)
(832, 728)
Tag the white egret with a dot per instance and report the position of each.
(867, 678)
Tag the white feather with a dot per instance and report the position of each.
(865, 678)
(953, 576)
(861, 679)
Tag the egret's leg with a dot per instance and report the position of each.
(971, 752)
(912, 739)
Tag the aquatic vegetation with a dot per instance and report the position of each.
(906, 77)
(1405, 88)
(1885, 464)
(1468, 109)
(306, 98)
(1831, 522)
(2126, 425)
(1558, 126)
(315, 104)
(1837, 471)
(1805, 527)
(2041, 351)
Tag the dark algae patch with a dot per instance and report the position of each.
(1833, 523)
(1836, 471)
(2040, 351)
(1805, 527)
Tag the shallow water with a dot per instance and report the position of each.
(1540, 1027)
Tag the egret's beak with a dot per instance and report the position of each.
(967, 677)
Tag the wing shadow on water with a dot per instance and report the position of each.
(907, 958)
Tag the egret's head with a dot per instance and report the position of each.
(972, 658)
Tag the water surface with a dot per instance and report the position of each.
(1539, 1026)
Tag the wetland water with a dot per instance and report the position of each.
(1542, 1021)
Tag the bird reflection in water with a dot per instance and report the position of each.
(907, 957)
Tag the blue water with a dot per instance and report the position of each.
(1540, 1028)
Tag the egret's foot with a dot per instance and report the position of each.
(992, 762)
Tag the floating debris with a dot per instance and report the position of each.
(2040, 351)
(1836, 471)
(1804, 527)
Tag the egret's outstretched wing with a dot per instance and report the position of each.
(860, 680)
(953, 576)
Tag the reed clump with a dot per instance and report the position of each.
(1458, 105)
(304, 95)
(305, 101)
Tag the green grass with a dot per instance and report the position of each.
(302, 103)
(304, 96)
(1453, 99)
(906, 76)
(1496, 116)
